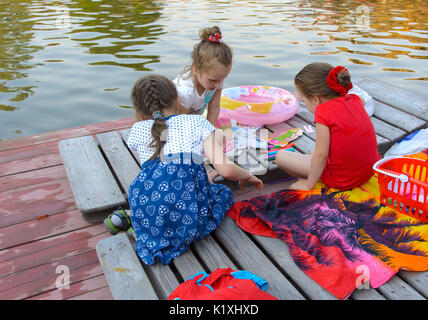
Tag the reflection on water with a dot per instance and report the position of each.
(118, 28)
(70, 63)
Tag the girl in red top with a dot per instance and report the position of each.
(346, 146)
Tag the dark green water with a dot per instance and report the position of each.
(70, 63)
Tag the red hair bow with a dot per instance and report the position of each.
(216, 38)
(334, 85)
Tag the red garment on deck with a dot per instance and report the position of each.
(221, 284)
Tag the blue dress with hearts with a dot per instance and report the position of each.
(172, 203)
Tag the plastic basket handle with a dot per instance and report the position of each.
(402, 177)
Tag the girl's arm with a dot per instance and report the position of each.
(319, 158)
(225, 167)
(214, 107)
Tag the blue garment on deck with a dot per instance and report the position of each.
(173, 204)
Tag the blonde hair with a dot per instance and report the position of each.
(205, 51)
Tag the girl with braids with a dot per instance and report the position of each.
(346, 146)
(172, 203)
(200, 84)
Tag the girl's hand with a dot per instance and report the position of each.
(300, 184)
(251, 179)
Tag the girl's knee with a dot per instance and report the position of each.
(282, 157)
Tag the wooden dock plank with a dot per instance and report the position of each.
(397, 118)
(212, 254)
(94, 187)
(31, 203)
(163, 278)
(42, 228)
(124, 273)
(397, 289)
(394, 96)
(32, 178)
(387, 131)
(85, 287)
(49, 250)
(244, 251)
(62, 134)
(187, 264)
(99, 294)
(28, 152)
(366, 294)
(122, 162)
(418, 280)
(34, 281)
(30, 164)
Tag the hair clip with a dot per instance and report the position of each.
(216, 38)
(157, 115)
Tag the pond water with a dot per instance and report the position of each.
(70, 63)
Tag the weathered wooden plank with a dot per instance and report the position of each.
(366, 294)
(27, 152)
(34, 254)
(125, 134)
(249, 163)
(163, 278)
(187, 264)
(397, 118)
(212, 255)
(76, 289)
(278, 249)
(34, 281)
(29, 164)
(38, 229)
(394, 96)
(387, 131)
(93, 185)
(32, 178)
(124, 273)
(31, 203)
(418, 280)
(397, 289)
(98, 294)
(250, 258)
(122, 162)
(68, 133)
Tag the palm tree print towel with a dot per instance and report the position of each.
(340, 239)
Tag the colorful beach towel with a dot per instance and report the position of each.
(340, 239)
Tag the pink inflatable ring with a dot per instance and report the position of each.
(256, 105)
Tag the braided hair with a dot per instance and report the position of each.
(150, 95)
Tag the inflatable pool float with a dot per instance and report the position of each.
(256, 105)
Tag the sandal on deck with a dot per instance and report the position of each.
(124, 218)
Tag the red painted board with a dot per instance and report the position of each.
(44, 251)
(66, 133)
(32, 178)
(34, 281)
(41, 228)
(88, 286)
